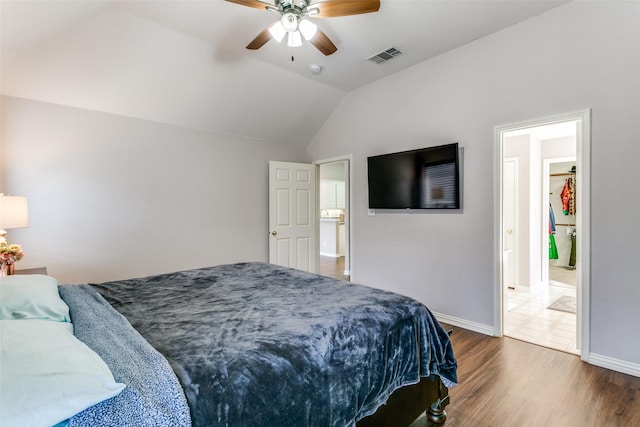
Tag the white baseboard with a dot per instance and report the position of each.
(617, 365)
(466, 324)
(330, 254)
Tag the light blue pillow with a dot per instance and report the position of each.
(32, 296)
(47, 374)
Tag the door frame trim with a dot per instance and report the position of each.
(583, 219)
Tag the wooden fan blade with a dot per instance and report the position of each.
(260, 40)
(322, 43)
(256, 4)
(334, 8)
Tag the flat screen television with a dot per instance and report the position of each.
(427, 178)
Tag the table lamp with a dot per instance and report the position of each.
(13, 214)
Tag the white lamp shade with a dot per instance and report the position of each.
(13, 212)
(308, 29)
(277, 31)
(295, 40)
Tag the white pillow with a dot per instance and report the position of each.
(32, 296)
(47, 375)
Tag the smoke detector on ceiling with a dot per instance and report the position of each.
(385, 56)
(315, 68)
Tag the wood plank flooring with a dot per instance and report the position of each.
(333, 267)
(506, 382)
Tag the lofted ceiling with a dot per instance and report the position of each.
(184, 62)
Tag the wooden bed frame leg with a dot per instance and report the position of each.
(436, 413)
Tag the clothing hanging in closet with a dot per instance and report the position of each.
(568, 197)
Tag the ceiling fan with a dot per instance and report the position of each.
(293, 20)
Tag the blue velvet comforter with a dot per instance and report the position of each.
(260, 345)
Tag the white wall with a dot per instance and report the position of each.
(114, 197)
(333, 171)
(581, 55)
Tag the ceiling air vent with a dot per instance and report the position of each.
(385, 56)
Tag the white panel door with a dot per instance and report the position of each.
(292, 215)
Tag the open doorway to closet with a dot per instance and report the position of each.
(541, 288)
(333, 191)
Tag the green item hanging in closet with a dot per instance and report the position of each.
(553, 250)
(572, 256)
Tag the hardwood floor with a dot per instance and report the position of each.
(333, 267)
(506, 382)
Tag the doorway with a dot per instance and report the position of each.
(334, 218)
(541, 296)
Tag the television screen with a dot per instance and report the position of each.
(418, 179)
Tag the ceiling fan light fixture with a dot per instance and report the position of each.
(292, 20)
(277, 31)
(295, 40)
(289, 22)
(308, 29)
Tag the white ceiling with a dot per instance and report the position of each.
(421, 28)
(36, 34)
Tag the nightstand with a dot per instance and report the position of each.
(37, 270)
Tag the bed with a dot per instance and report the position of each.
(253, 344)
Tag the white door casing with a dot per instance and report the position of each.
(292, 215)
(583, 202)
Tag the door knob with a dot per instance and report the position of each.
(274, 232)
(509, 231)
